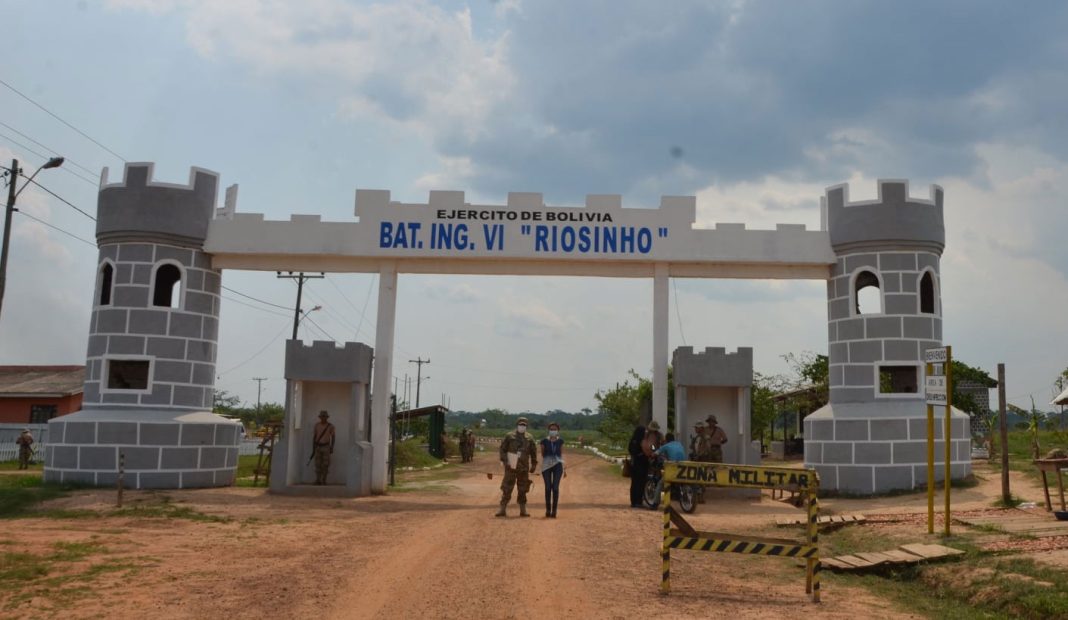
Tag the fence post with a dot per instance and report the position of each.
(122, 470)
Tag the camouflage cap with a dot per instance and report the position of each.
(700, 424)
(712, 419)
(521, 421)
(324, 414)
(653, 426)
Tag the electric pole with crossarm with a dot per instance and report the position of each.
(418, 376)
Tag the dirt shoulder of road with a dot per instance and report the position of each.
(431, 548)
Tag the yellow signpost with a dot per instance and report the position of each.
(683, 536)
(939, 392)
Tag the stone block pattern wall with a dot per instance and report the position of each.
(180, 342)
(158, 455)
(713, 367)
(859, 343)
(866, 456)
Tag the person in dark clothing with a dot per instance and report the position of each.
(639, 467)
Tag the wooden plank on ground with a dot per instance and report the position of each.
(929, 552)
(854, 561)
(903, 557)
(835, 564)
(824, 520)
(875, 558)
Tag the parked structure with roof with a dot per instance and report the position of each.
(36, 394)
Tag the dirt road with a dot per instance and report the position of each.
(437, 552)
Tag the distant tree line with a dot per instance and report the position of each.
(501, 419)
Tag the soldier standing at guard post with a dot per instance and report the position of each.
(25, 444)
(322, 446)
(717, 436)
(519, 459)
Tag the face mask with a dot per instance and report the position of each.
(553, 433)
(522, 428)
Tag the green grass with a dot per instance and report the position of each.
(14, 465)
(20, 495)
(1020, 452)
(411, 453)
(976, 587)
(165, 509)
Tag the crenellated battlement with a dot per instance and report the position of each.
(140, 209)
(713, 367)
(893, 221)
(323, 360)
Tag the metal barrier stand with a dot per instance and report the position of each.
(684, 536)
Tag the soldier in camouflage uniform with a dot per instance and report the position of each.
(25, 444)
(718, 437)
(520, 446)
(322, 446)
(701, 446)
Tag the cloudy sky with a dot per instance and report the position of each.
(754, 107)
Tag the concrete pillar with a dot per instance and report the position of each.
(383, 375)
(660, 344)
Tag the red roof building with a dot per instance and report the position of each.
(36, 394)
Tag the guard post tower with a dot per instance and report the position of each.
(883, 312)
(150, 364)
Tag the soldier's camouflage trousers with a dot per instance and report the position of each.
(322, 463)
(518, 478)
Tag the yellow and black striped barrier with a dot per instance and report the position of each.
(684, 536)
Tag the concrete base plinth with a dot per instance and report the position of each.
(161, 449)
(870, 448)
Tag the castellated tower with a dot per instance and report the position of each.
(150, 364)
(883, 312)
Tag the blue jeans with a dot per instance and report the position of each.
(552, 477)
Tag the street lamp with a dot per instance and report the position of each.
(12, 194)
(303, 316)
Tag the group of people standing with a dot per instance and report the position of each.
(467, 445)
(647, 444)
(519, 456)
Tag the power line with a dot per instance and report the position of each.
(325, 333)
(42, 156)
(52, 150)
(363, 313)
(286, 308)
(55, 116)
(256, 354)
(248, 305)
(69, 204)
(54, 227)
(678, 315)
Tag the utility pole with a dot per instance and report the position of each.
(12, 194)
(419, 361)
(259, 386)
(300, 278)
(8, 212)
(1006, 496)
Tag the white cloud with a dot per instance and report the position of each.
(524, 319)
(452, 293)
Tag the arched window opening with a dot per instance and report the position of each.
(106, 275)
(927, 294)
(168, 286)
(867, 294)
